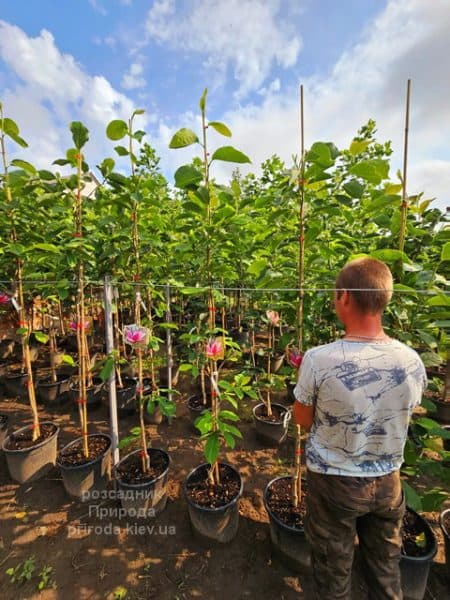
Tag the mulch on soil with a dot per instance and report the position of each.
(20, 441)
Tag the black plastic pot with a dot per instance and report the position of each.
(446, 443)
(414, 569)
(126, 398)
(155, 418)
(442, 413)
(276, 361)
(214, 524)
(15, 384)
(290, 385)
(289, 543)
(94, 393)
(446, 534)
(144, 499)
(84, 482)
(195, 406)
(3, 428)
(271, 432)
(29, 464)
(54, 392)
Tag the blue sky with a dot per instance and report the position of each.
(95, 60)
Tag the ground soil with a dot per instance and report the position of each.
(93, 549)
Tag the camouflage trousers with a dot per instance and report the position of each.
(338, 510)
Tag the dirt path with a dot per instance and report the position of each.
(90, 561)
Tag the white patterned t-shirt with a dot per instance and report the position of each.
(363, 394)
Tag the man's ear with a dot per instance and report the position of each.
(346, 297)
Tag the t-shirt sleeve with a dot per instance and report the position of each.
(306, 389)
(422, 379)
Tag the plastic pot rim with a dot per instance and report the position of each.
(30, 448)
(443, 514)
(86, 464)
(43, 383)
(146, 483)
(218, 508)
(275, 423)
(433, 550)
(270, 513)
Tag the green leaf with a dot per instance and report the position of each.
(202, 101)
(257, 267)
(212, 448)
(445, 253)
(107, 369)
(389, 255)
(373, 171)
(45, 248)
(220, 128)
(354, 188)
(204, 422)
(357, 146)
(229, 439)
(320, 155)
(11, 129)
(68, 360)
(116, 129)
(121, 150)
(228, 415)
(182, 138)
(412, 497)
(80, 134)
(432, 500)
(106, 166)
(439, 300)
(126, 442)
(138, 111)
(230, 154)
(23, 164)
(41, 337)
(135, 431)
(187, 176)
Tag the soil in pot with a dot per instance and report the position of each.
(24, 439)
(202, 493)
(130, 471)
(277, 415)
(74, 455)
(279, 501)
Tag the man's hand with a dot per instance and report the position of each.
(303, 415)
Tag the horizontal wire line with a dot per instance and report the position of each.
(204, 289)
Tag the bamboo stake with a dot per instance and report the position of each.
(301, 236)
(404, 205)
(296, 490)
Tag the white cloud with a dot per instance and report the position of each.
(55, 90)
(247, 35)
(98, 7)
(133, 78)
(409, 39)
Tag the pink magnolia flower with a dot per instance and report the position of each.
(214, 349)
(295, 358)
(135, 336)
(4, 298)
(273, 317)
(74, 325)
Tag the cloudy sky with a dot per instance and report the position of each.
(95, 60)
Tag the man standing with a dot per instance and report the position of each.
(356, 396)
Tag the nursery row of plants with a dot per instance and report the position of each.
(250, 266)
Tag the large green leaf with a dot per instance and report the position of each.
(412, 498)
(445, 253)
(212, 448)
(389, 255)
(182, 138)
(358, 146)
(354, 188)
(23, 164)
(320, 154)
(374, 171)
(11, 129)
(116, 130)
(187, 176)
(220, 128)
(230, 154)
(202, 101)
(439, 300)
(80, 134)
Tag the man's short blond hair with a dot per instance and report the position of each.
(369, 281)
